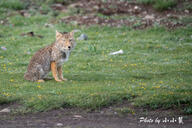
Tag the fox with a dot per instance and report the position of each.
(51, 58)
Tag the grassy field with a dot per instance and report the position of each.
(159, 4)
(154, 71)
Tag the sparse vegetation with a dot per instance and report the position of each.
(125, 110)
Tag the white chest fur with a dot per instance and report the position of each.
(64, 58)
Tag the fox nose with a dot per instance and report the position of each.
(69, 47)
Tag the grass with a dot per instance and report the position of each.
(124, 110)
(164, 4)
(154, 71)
(146, 1)
(187, 6)
(159, 4)
(13, 4)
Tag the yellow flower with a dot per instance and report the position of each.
(6, 94)
(144, 84)
(58, 93)
(157, 87)
(161, 82)
(133, 64)
(39, 86)
(143, 88)
(39, 96)
(11, 80)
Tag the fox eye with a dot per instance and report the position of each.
(70, 40)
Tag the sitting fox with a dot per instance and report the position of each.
(51, 58)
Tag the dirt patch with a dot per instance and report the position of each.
(93, 19)
(86, 12)
(104, 118)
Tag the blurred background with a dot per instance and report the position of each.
(134, 13)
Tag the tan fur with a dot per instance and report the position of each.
(51, 58)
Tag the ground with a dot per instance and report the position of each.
(152, 78)
(107, 117)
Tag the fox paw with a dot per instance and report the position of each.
(64, 79)
(58, 80)
(40, 81)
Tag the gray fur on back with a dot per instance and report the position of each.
(39, 65)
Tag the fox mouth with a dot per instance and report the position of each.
(65, 50)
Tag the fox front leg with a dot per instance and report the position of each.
(61, 73)
(54, 71)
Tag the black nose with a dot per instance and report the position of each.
(69, 47)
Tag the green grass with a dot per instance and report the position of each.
(146, 1)
(164, 4)
(125, 110)
(187, 6)
(13, 4)
(159, 4)
(155, 69)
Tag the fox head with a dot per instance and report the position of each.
(65, 41)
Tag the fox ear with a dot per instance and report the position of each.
(58, 34)
(71, 33)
